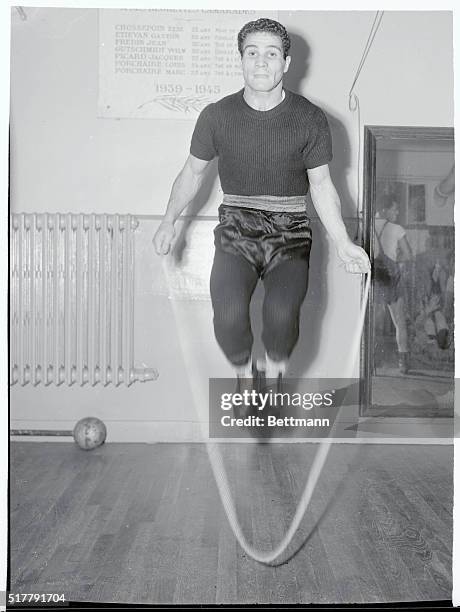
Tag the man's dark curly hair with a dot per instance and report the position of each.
(385, 202)
(265, 25)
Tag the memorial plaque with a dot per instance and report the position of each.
(165, 64)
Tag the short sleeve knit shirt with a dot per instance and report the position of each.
(263, 152)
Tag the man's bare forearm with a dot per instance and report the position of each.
(327, 204)
(184, 189)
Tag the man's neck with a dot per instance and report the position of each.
(264, 100)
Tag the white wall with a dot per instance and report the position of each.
(63, 158)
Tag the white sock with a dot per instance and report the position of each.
(244, 371)
(273, 368)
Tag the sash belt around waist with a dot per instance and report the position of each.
(268, 202)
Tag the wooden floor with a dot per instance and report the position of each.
(143, 523)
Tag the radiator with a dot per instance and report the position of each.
(72, 299)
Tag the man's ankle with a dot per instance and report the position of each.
(273, 368)
(244, 371)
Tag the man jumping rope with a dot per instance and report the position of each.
(272, 146)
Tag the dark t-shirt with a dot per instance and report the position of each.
(263, 152)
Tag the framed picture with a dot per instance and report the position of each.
(408, 349)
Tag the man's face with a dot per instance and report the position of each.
(263, 62)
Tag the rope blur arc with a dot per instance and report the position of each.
(200, 400)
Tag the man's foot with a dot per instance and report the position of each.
(272, 387)
(273, 384)
(247, 386)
